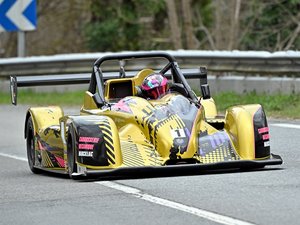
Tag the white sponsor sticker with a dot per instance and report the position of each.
(85, 153)
(266, 143)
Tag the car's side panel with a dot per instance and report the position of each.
(97, 141)
(48, 144)
(239, 123)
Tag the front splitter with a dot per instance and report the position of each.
(181, 168)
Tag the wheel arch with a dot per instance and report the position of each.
(28, 114)
(247, 126)
(98, 139)
(43, 117)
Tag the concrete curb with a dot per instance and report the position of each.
(242, 84)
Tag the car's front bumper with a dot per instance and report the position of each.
(181, 169)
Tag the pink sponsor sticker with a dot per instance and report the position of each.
(266, 137)
(263, 130)
(86, 146)
(89, 139)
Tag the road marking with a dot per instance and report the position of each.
(286, 125)
(160, 201)
(175, 205)
(13, 157)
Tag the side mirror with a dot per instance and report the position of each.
(205, 91)
(203, 75)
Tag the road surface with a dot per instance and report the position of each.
(268, 196)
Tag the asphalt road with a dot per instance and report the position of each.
(268, 196)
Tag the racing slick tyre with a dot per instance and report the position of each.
(71, 151)
(30, 146)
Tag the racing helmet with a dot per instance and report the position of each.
(154, 86)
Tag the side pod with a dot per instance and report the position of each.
(248, 130)
(96, 143)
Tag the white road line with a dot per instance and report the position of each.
(178, 206)
(286, 125)
(160, 201)
(13, 157)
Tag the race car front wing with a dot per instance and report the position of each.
(179, 169)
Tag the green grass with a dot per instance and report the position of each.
(45, 98)
(276, 105)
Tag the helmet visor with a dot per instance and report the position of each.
(157, 92)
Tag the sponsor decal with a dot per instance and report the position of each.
(89, 139)
(85, 153)
(266, 137)
(263, 130)
(123, 105)
(86, 146)
(89, 147)
(266, 143)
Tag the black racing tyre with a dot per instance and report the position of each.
(71, 151)
(30, 146)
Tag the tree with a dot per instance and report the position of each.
(173, 23)
(274, 27)
(118, 25)
(191, 41)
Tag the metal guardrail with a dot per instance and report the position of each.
(263, 63)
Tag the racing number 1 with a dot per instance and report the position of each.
(178, 133)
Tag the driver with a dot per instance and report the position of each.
(154, 86)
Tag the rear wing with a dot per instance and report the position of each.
(44, 80)
(67, 79)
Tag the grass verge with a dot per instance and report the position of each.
(275, 105)
(45, 98)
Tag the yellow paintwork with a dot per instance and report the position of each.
(137, 143)
(210, 108)
(46, 128)
(131, 134)
(44, 117)
(88, 101)
(239, 125)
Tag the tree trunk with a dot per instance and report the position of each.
(219, 33)
(188, 25)
(173, 22)
(236, 6)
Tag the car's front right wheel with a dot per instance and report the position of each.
(30, 145)
(71, 151)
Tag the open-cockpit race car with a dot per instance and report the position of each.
(120, 131)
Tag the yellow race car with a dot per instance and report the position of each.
(148, 120)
